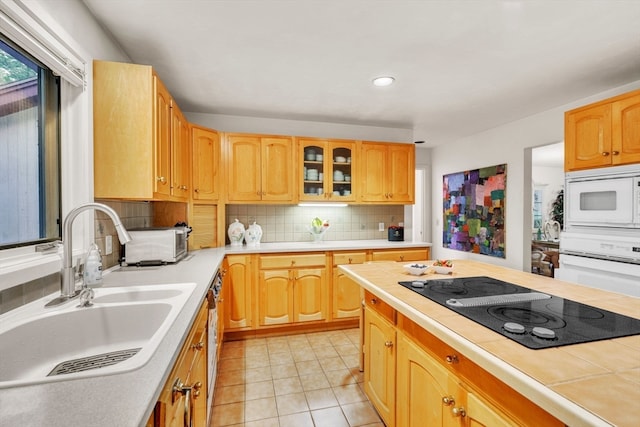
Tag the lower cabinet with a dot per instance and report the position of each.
(183, 400)
(401, 255)
(237, 289)
(346, 292)
(292, 289)
(414, 379)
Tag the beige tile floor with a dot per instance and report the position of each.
(297, 380)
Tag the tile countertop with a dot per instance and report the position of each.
(325, 245)
(589, 384)
(121, 399)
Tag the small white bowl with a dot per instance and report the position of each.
(340, 159)
(442, 270)
(416, 269)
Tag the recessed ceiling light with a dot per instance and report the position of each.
(383, 81)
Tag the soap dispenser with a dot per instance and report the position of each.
(92, 274)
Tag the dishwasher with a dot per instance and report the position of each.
(213, 297)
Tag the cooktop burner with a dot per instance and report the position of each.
(533, 319)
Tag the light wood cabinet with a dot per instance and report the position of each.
(260, 169)
(183, 400)
(380, 363)
(603, 134)
(133, 138)
(180, 155)
(329, 170)
(401, 255)
(292, 289)
(346, 292)
(387, 173)
(237, 289)
(205, 164)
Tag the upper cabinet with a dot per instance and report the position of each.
(328, 172)
(387, 173)
(205, 164)
(141, 146)
(606, 133)
(260, 168)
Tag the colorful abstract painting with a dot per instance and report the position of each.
(474, 210)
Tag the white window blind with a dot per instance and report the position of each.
(21, 24)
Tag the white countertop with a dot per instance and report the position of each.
(127, 399)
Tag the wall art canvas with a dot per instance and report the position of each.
(474, 210)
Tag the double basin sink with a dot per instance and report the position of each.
(118, 333)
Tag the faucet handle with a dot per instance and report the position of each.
(86, 297)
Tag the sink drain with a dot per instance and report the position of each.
(93, 362)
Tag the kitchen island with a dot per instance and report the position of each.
(588, 384)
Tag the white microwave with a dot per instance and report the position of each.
(608, 197)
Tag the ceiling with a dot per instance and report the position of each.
(461, 67)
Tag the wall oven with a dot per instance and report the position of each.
(603, 198)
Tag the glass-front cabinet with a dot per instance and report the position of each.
(328, 170)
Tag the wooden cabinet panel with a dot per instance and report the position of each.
(180, 154)
(287, 261)
(309, 295)
(237, 288)
(276, 297)
(206, 164)
(338, 156)
(387, 173)
(133, 141)
(260, 168)
(381, 307)
(606, 133)
(380, 363)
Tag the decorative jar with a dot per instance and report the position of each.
(253, 234)
(236, 233)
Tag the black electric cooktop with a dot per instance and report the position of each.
(534, 319)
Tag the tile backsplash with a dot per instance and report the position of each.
(289, 223)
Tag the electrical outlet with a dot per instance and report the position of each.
(108, 244)
(381, 226)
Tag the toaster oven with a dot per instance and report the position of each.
(157, 245)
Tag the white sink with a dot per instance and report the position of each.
(124, 323)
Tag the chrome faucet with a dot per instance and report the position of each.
(67, 276)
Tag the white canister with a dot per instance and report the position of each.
(253, 234)
(236, 233)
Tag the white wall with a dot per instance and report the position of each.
(504, 144)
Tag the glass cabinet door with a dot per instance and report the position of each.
(327, 170)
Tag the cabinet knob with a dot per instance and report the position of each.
(198, 346)
(458, 412)
(451, 358)
(350, 260)
(448, 401)
(197, 385)
(195, 190)
(161, 179)
(374, 301)
(605, 153)
(401, 257)
(388, 344)
(615, 153)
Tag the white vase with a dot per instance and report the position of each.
(253, 234)
(236, 233)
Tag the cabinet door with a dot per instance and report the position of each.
(422, 385)
(341, 175)
(401, 176)
(237, 290)
(277, 169)
(206, 163)
(346, 292)
(379, 364)
(309, 289)
(162, 116)
(626, 131)
(244, 168)
(373, 172)
(481, 414)
(276, 297)
(181, 154)
(588, 138)
(315, 161)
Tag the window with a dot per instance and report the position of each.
(537, 208)
(29, 149)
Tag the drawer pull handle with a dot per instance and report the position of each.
(388, 344)
(451, 358)
(448, 401)
(458, 412)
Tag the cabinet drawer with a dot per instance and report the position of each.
(381, 307)
(401, 256)
(295, 261)
(349, 258)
